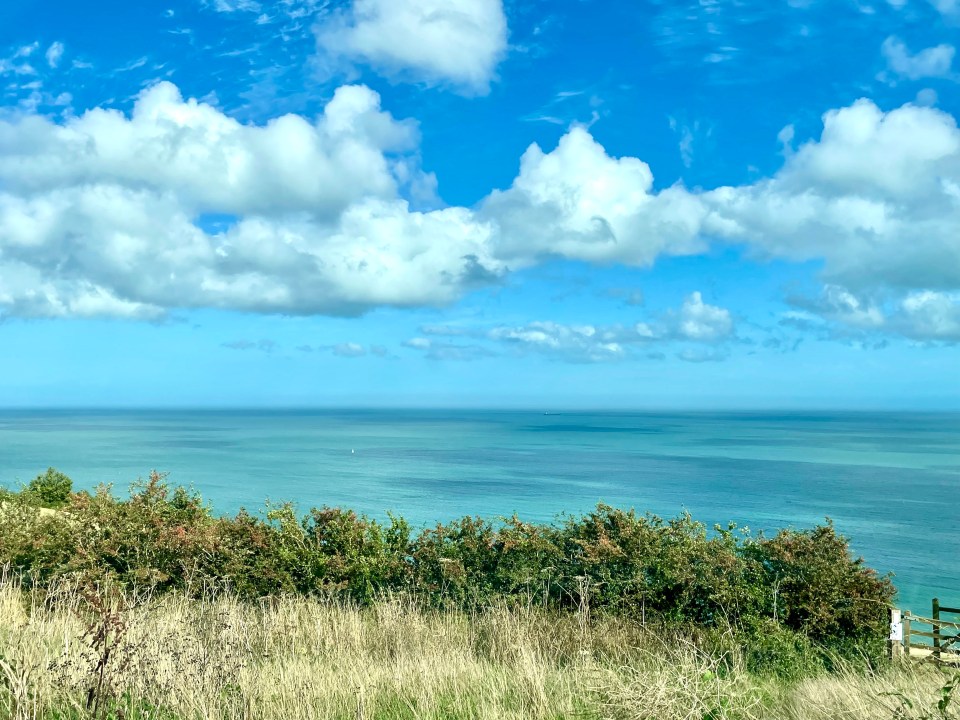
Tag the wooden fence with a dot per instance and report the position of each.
(936, 638)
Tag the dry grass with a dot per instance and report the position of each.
(176, 658)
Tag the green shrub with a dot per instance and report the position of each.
(471, 562)
(645, 566)
(357, 555)
(772, 649)
(51, 489)
(817, 587)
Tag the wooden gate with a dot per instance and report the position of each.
(935, 638)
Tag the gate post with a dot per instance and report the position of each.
(906, 633)
(936, 628)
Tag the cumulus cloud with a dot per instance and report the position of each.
(103, 214)
(931, 62)
(930, 316)
(578, 202)
(177, 205)
(925, 316)
(209, 162)
(456, 42)
(701, 322)
(839, 305)
(877, 198)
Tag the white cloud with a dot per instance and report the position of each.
(26, 50)
(930, 316)
(17, 62)
(236, 5)
(694, 322)
(572, 342)
(179, 206)
(924, 315)
(126, 244)
(838, 305)
(877, 197)
(577, 202)
(931, 62)
(701, 322)
(103, 214)
(456, 42)
(54, 54)
(349, 350)
(210, 162)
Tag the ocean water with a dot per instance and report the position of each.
(889, 481)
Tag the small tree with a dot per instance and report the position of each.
(51, 489)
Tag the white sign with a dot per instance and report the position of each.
(896, 626)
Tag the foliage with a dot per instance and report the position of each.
(784, 591)
(51, 489)
(820, 589)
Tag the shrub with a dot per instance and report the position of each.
(51, 489)
(470, 562)
(771, 649)
(814, 585)
(645, 566)
(357, 555)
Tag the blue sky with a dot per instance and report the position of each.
(511, 203)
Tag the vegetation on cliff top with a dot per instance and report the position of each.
(153, 607)
(91, 652)
(614, 561)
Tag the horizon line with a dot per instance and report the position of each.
(539, 409)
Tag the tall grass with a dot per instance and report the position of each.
(79, 651)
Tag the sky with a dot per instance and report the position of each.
(624, 204)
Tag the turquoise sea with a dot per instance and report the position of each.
(890, 481)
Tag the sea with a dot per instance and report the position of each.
(888, 481)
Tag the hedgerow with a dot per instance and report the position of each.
(611, 560)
